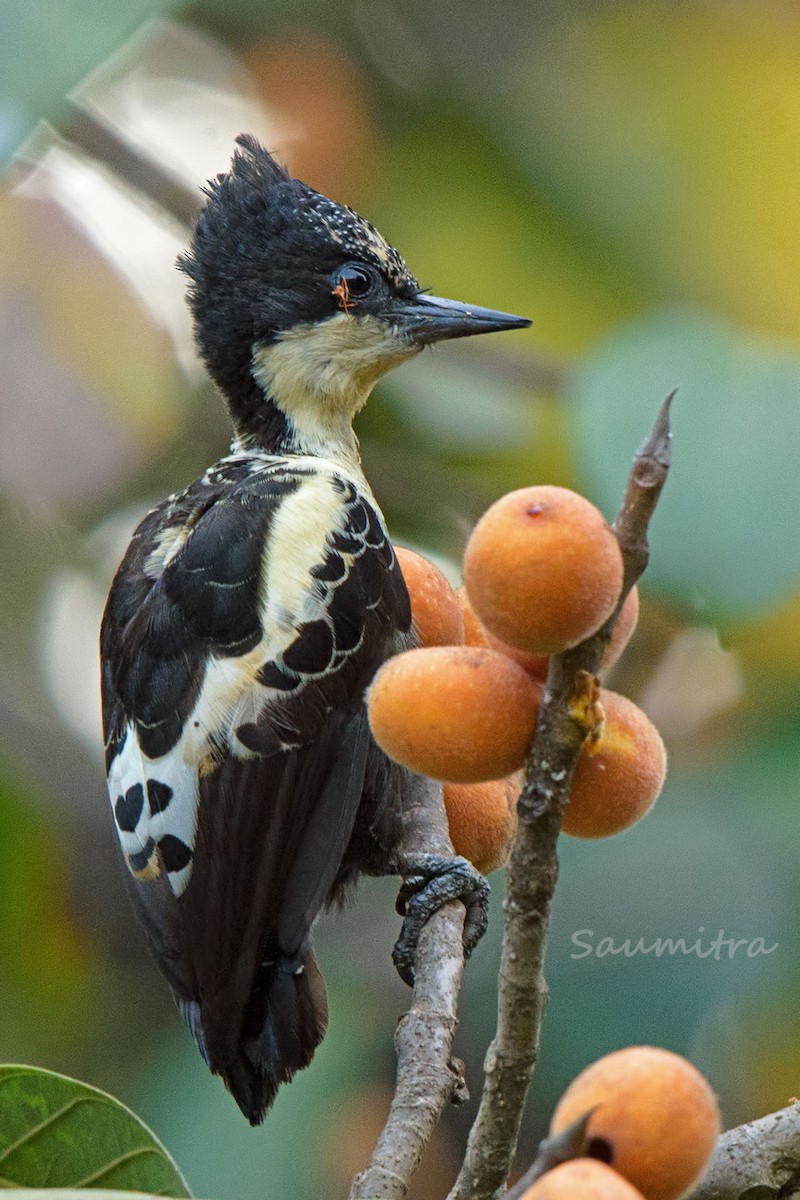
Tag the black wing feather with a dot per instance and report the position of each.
(273, 829)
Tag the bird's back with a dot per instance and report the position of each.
(243, 626)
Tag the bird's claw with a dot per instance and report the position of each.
(429, 881)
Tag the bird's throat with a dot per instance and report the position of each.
(319, 376)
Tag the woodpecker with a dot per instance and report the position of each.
(248, 616)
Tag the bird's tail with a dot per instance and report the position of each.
(286, 1020)
(292, 1021)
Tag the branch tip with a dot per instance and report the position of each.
(657, 446)
(557, 1148)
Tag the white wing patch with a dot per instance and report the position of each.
(231, 695)
(168, 543)
(297, 544)
(154, 801)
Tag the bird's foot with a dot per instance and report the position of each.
(429, 881)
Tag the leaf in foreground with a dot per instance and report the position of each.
(58, 1133)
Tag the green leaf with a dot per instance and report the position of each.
(71, 1194)
(724, 537)
(58, 1133)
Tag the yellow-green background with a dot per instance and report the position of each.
(626, 174)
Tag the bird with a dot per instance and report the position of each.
(248, 616)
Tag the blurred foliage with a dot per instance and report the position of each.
(46, 957)
(626, 173)
(45, 51)
(58, 1133)
(716, 567)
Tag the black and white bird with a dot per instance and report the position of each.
(250, 613)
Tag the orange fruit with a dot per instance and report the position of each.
(619, 776)
(455, 713)
(581, 1179)
(434, 607)
(482, 818)
(474, 633)
(655, 1118)
(624, 628)
(543, 570)
(537, 665)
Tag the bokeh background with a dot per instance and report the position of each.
(628, 175)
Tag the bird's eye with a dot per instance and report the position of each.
(351, 283)
(358, 280)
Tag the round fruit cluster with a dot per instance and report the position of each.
(653, 1126)
(543, 572)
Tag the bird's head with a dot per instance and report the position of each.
(300, 305)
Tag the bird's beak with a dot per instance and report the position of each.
(430, 319)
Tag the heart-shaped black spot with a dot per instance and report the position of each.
(175, 853)
(128, 808)
(158, 795)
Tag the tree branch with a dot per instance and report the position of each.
(567, 714)
(760, 1154)
(427, 1078)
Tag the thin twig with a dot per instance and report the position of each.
(763, 1154)
(553, 1150)
(428, 1079)
(567, 714)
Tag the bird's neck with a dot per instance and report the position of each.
(266, 423)
(304, 387)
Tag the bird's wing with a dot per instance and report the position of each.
(240, 633)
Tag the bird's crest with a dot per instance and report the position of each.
(245, 190)
(252, 163)
(260, 196)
